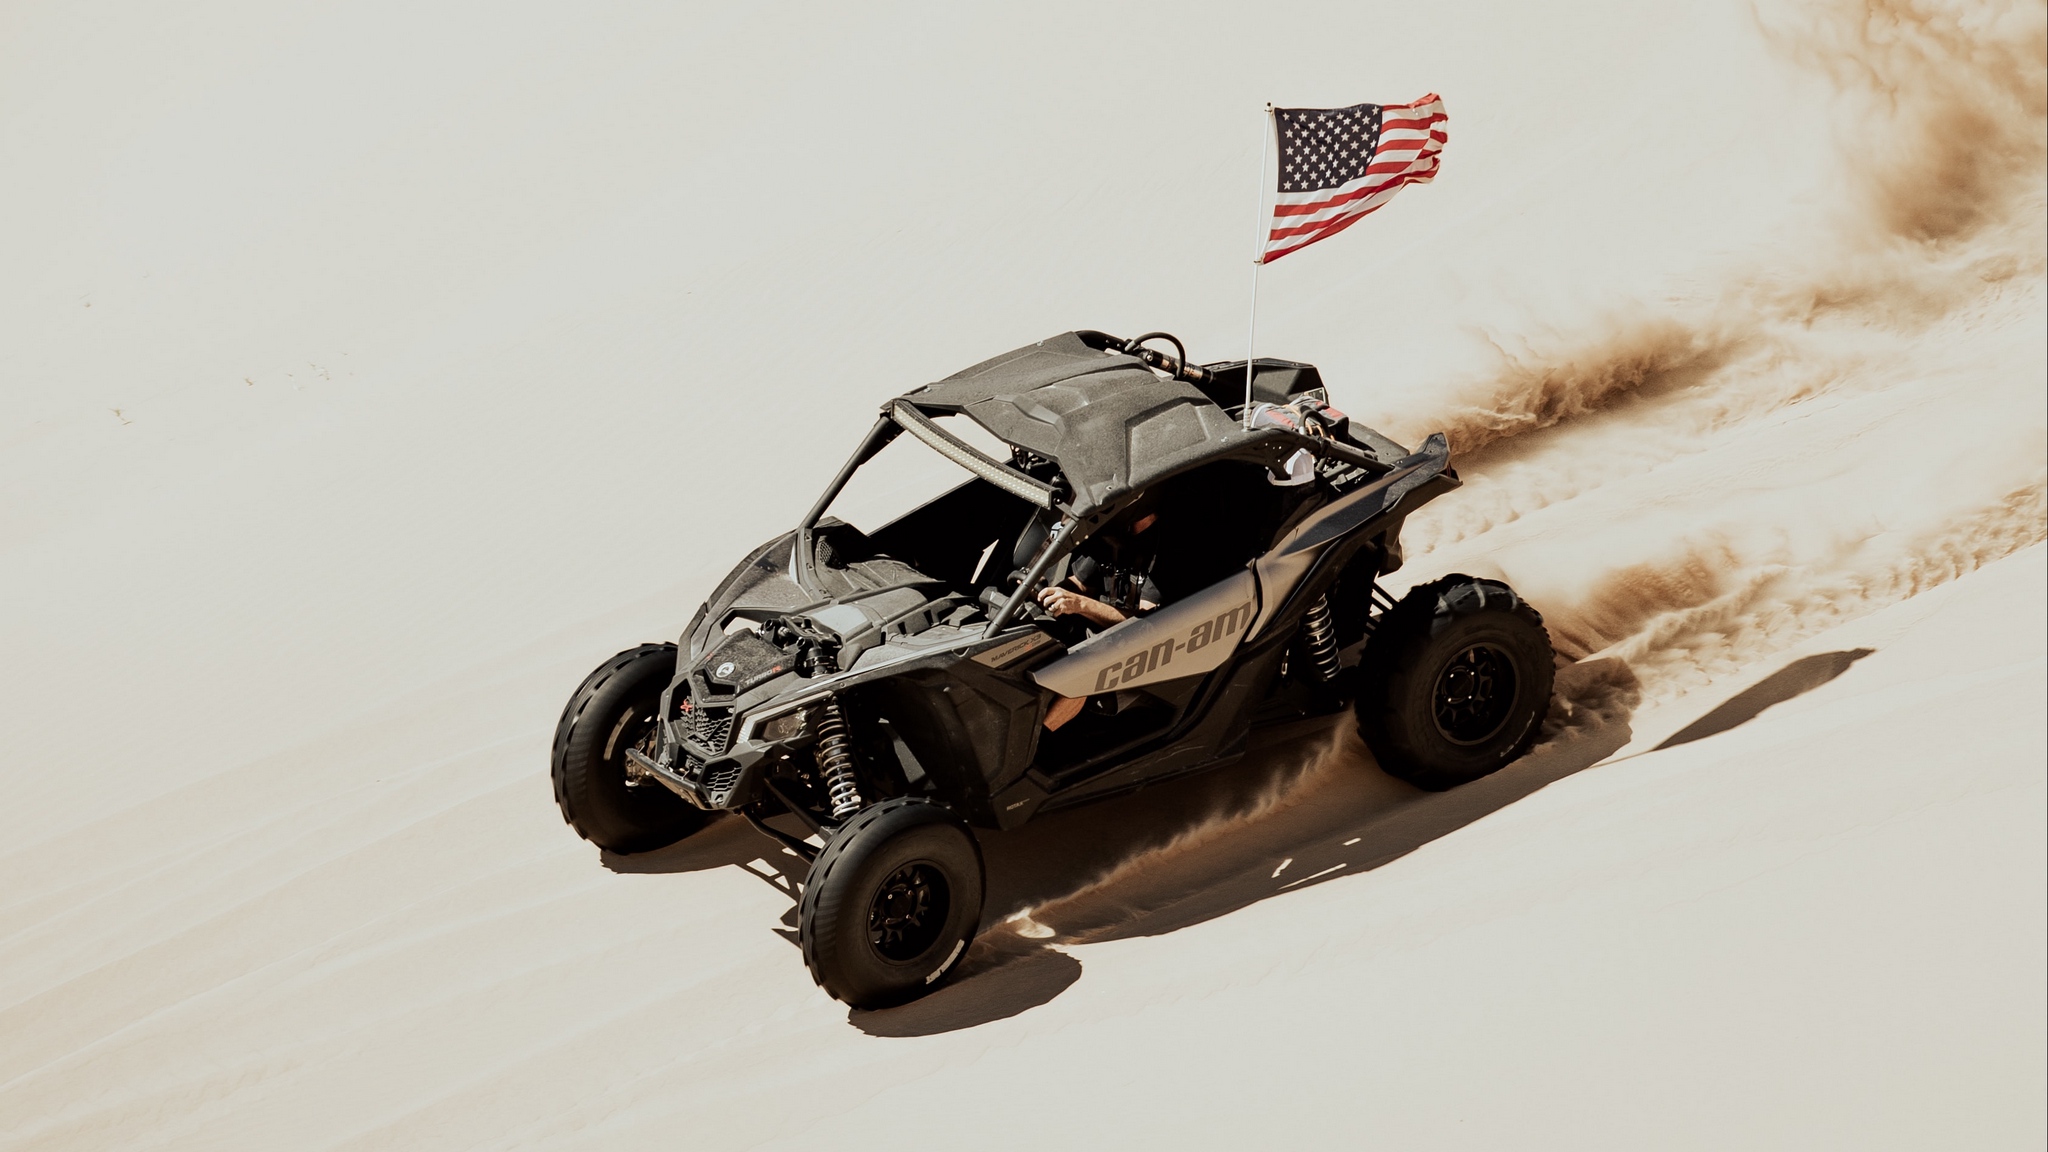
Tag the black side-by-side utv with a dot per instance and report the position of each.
(894, 689)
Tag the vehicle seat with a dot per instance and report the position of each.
(1029, 541)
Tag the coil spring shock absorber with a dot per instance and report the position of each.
(835, 760)
(1321, 634)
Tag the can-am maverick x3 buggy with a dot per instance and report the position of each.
(891, 690)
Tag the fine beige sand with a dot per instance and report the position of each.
(369, 372)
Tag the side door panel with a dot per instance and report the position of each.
(1188, 638)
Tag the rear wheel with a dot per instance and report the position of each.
(891, 903)
(1454, 682)
(616, 708)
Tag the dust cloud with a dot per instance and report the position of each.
(1944, 151)
(1877, 323)
(1935, 254)
(1714, 612)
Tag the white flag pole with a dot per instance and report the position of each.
(1258, 256)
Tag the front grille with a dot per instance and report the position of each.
(718, 784)
(710, 728)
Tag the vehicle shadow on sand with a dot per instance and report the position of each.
(729, 842)
(1306, 806)
(1795, 679)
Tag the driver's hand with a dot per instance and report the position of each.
(1061, 602)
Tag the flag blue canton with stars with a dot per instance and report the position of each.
(1326, 147)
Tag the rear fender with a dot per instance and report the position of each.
(1349, 520)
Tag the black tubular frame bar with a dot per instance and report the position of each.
(878, 437)
(1047, 557)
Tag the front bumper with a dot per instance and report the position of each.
(698, 764)
(716, 785)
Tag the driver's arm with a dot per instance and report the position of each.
(1067, 602)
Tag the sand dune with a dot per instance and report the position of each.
(368, 373)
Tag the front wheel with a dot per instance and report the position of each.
(1454, 682)
(615, 709)
(891, 903)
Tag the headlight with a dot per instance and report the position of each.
(787, 726)
(777, 723)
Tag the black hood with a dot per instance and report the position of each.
(860, 597)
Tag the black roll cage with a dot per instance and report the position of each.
(1268, 446)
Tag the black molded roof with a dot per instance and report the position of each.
(1111, 424)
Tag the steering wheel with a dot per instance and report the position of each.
(1035, 612)
(1069, 630)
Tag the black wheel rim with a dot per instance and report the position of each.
(908, 912)
(1474, 694)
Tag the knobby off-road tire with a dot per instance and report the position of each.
(1454, 683)
(891, 903)
(616, 709)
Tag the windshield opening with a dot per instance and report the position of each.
(907, 474)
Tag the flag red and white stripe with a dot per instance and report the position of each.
(1339, 164)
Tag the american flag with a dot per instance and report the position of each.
(1337, 164)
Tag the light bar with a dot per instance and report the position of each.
(959, 452)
